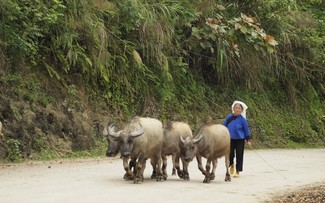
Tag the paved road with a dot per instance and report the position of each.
(266, 173)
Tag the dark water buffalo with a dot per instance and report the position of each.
(140, 139)
(113, 145)
(113, 150)
(172, 145)
(211, 142)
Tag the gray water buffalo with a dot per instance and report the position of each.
(140, 139)
(211, 142)
(172, 145)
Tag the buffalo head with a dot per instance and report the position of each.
(113, 145)
(125, 138)
(190, 147)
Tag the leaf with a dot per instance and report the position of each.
(247, 19)
(208, 44)
(237, 26)
(137, 57)
(270, 49)
(222, 30)
(203, 45)
(88, 60)
(254, 34)
(243, 29)
(269, 37)
(213, 21)
(237, 53)
(212, 36)
(220, 7)
(271, 40)
(261, 32)
(195, 32)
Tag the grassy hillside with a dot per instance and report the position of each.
(67, 68)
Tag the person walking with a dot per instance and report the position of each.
(239, 133)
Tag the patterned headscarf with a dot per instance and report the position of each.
(245, 107)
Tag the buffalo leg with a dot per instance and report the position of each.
(132, 165)
(186, 175)
(164, 166)
(128, 173)
(154, 168)
(199, 164)
(158, 164)
(214, 164)
(143, 168)
(174, 159)
(140, 169)
(227, 161)
(176, 166)
(207, 171)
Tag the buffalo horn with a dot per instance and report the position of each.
(182, 139)
(197, 139)
(112, 132)
(138, 132)
(105, 132)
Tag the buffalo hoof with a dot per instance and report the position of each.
(160, 178)
(128, 177)
(180, 174)
(137, 180)
(206, 180)
(165, 177)
(154, 175)
(227, 178)
(212, 176)
(186, 177)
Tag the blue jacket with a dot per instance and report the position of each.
(238, 128)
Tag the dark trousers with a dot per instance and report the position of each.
(237, 150)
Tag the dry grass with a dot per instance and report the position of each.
(314, 193)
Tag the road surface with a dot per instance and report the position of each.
(266, 173)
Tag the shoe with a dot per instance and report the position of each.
(236, 175)
(232, 169)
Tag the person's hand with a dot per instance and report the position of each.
(249, 143)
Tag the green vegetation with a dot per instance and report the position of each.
(67, 67)
(14, 153)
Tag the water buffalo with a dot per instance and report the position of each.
(140, 139)
(211, 142)
(112, 151)
(172, 145)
